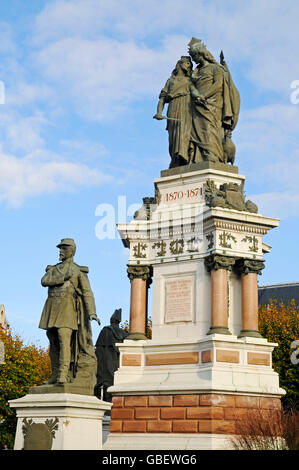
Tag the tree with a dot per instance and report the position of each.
(279, 323)
(25, 366)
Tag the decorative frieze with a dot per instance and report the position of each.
(224, 239)
(160, 247)
(176, 247)
(254, 243)
(139, 250)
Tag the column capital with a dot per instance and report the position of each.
(214, 262)
(138, 271)
(246, 266)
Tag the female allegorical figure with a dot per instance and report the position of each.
(176, 93)
(215, 105)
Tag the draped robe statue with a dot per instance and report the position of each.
(203, 109)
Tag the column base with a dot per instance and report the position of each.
(221, 330)
(252, 333)
(137, 336)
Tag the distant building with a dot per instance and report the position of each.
(280, 292)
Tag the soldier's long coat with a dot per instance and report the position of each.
(62, 307)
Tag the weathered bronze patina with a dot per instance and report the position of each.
(203, 109)
(66, 316)
(108, 355)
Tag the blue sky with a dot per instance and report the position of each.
(82, 79)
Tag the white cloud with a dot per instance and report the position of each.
(280, 204)
(86, 150)
(7, 44)
(267, 152)
(21, 132)
(98, 58)
(42, 173)
(102, 77)
(262, 35)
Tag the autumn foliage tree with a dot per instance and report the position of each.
(279, 323)
(25, 366)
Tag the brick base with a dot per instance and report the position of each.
(201, 413)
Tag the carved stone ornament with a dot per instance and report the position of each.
(176, 247)
(254, 243)
(245, 266)
(229, 196)
(140, 272)
(161, 248)
(139, 250)
(39, 436)
(210, 238)
(224, 238)
(214, 262)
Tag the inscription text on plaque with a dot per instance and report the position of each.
(179, 299)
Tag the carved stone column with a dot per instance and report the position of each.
(218, 266)
(249, 269)
(140, 277)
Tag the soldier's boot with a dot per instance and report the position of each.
(54, 355)
(55, 371)
(64, 335)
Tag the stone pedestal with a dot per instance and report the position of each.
(206, 363)
(59, 421)
(105, 428)
(188, 394)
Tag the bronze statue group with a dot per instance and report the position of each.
(203, 109)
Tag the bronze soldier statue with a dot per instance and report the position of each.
(66, 316)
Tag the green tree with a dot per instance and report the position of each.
(25, 366)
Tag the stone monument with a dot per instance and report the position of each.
(199, 241)
(64, 414)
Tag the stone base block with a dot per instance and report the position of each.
(59, 421)
(193, 421)
(158, 441)
(192, 393)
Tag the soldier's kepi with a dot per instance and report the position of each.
(67, 313)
